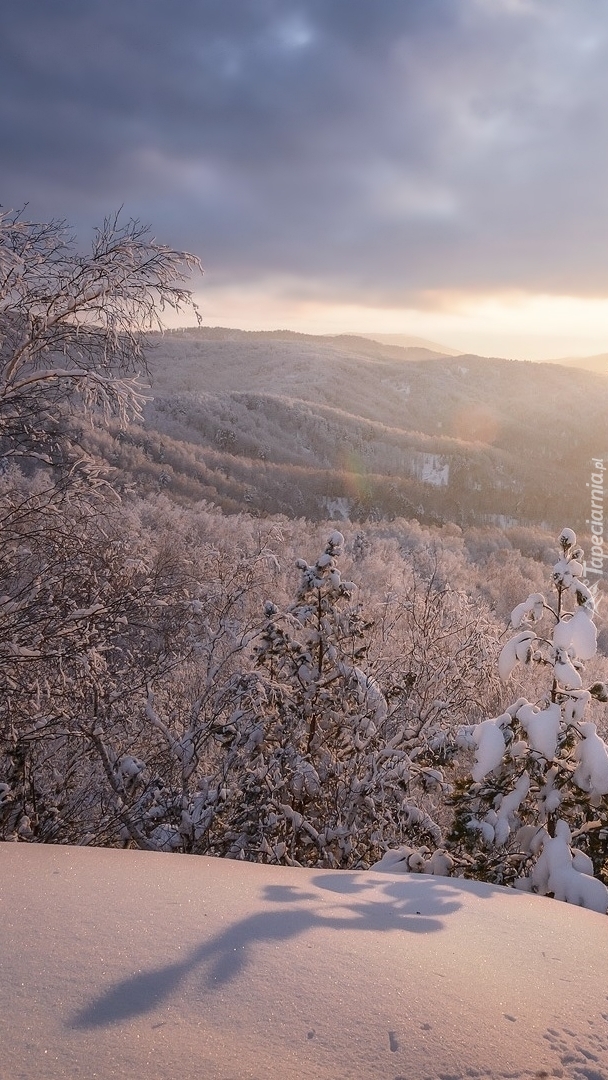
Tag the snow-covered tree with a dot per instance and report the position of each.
(72, 342)
(436, 645)
(316, 767)
(86, 617)
(73, 325)
(121, 650)
(78, 621)
(535, 811)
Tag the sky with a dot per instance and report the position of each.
(426, 167)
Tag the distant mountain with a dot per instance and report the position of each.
(310, 426)
(283, 362)
(598, 363)
(408, 342)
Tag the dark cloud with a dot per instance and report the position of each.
(378, 149)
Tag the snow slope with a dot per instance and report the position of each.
(132, 964)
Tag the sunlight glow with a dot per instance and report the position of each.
(516, 325)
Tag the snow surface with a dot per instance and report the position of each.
(145, 965)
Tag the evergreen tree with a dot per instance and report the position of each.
(311, 776)
(539, 784)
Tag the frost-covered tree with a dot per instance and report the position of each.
(436, 647)
(535, 812)
(73, 326)
(314, 767)
(120, 647)
(72, 341)
(87, 617)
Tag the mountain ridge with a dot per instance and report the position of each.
(381, 428)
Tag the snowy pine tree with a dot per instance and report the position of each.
(310, 774)
(534, 813)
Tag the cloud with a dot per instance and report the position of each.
(375, 152)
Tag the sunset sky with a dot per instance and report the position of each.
(428, 167)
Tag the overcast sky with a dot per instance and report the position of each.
(433, 167)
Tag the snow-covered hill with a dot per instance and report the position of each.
(235, 413)
(127, 964)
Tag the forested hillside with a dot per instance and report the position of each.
(349, 428)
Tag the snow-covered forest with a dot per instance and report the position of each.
(267, 687)
(316, 427)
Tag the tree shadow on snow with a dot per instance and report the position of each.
(356, 901)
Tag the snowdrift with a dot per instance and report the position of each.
(132, 964)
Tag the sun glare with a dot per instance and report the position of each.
(516, 325)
